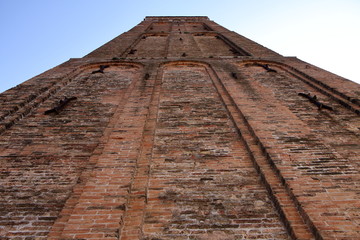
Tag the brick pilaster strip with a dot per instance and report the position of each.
(133, 219)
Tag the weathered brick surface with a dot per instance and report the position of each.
(47, 153)
(344, 86)
(300, 141)
(186, 135)
(200, 170)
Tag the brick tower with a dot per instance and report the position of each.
(181, 129)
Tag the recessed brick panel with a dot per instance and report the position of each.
(200, 169)
(43, 155)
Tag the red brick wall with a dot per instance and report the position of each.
(188, 137)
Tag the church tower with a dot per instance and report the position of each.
(181, 129)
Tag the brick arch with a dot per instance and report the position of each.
(95, 65)
(319, 86)
(192, 63)
(185, 62)
(24, 106)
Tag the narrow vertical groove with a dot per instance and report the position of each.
(154, 108)
(168, 40)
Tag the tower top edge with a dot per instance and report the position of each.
(176, 18)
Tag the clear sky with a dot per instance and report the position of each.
(37, 35)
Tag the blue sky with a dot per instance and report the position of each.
(37, 35)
